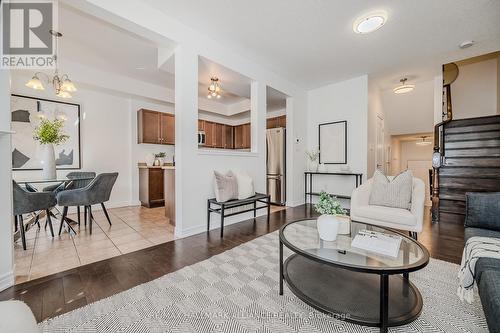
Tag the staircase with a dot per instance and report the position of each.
(471, 163)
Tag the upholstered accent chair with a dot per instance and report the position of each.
(96, 192)
(25, 202)
(397, 218)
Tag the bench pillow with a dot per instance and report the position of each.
(245, 185)
(395, 193)
(225, 186)
(483, 210)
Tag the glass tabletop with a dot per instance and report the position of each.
(57, 180)
(302, 237)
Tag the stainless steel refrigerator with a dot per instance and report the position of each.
(276, 157)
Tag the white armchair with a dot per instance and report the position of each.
(397, 218)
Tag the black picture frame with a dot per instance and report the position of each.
(341, 124)
(79, 166)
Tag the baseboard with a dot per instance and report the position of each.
(214, 224)
(6, 280)
(295, 203)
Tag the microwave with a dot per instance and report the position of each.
(201, 138)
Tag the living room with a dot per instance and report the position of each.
(339, 124)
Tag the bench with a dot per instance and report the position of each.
(213, 206)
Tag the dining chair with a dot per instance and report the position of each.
(25, 202)
(96, 192)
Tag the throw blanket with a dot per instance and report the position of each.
(475, 248)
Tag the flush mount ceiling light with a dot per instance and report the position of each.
(403, 88)
(369, 22)
(214, 89)
(424, 142)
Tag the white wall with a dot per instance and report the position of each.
(412, 112)
(347, 100)
(474, 93)
(375, 112)
(6, 248)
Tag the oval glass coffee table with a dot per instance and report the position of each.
(348, 283)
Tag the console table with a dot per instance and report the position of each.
(308, 183)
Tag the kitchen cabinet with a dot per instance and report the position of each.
(219, 131)
(151, 189)
(227, 137)
(209, 134)
(155, 127)
(276, 122)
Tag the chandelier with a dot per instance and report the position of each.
(62, 85)
(214, 89)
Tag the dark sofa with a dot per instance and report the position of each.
(483, 219)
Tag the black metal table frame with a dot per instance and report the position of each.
(384, 273)
(310, 193)
(259, 197)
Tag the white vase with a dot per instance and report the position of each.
(150, 159)
(328, 227)
(313, 166)
(49, 162)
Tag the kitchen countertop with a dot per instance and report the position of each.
(164, 167)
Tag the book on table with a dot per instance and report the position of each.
(377, 242)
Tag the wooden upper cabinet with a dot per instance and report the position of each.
(247, 142)
(201, 125)
(227, 137)
(219, 131)
(148, 126)
(155, 127)
(167, 129)
(276, 122)
(209, 134)
(238, 137)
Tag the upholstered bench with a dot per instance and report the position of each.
(213, 206)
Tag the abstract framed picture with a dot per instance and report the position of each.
(333, 142)
(26, 113)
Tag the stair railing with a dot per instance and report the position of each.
(438, 155)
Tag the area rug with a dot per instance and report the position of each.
(237, 291)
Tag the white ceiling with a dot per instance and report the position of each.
(312, 42)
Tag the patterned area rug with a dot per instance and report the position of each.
(237, 291)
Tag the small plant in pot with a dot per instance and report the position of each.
(313, 156)
(328, 223)
(49, 133)
(159, 159)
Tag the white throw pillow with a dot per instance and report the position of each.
(394, 193)
(225, 186)
(245, 185)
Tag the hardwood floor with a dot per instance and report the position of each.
(62, 292)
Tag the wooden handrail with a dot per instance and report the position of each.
(439, 148)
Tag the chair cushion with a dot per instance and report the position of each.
(387, 214)
(15, 317)
(471, 232)
(489, 291)
(395, 192)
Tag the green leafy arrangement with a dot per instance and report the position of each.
(50, 132)
(329, 205)
(160, 155)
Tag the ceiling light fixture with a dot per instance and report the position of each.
(403, 88)
(369, 22)
(62, 85)
(424, 142)
(214, 89)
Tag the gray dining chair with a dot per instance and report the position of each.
(25, 202)
(96, 192)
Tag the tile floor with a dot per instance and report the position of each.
(133, 228)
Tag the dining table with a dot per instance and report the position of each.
(63, 184)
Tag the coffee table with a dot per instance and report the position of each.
(351, 284)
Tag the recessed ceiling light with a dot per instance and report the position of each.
(403, 88)
(369, 22)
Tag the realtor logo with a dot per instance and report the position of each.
(26, 40)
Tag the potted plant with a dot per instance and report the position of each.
(313, 156)
(49, 133)
(328, 223)
(159, 158)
